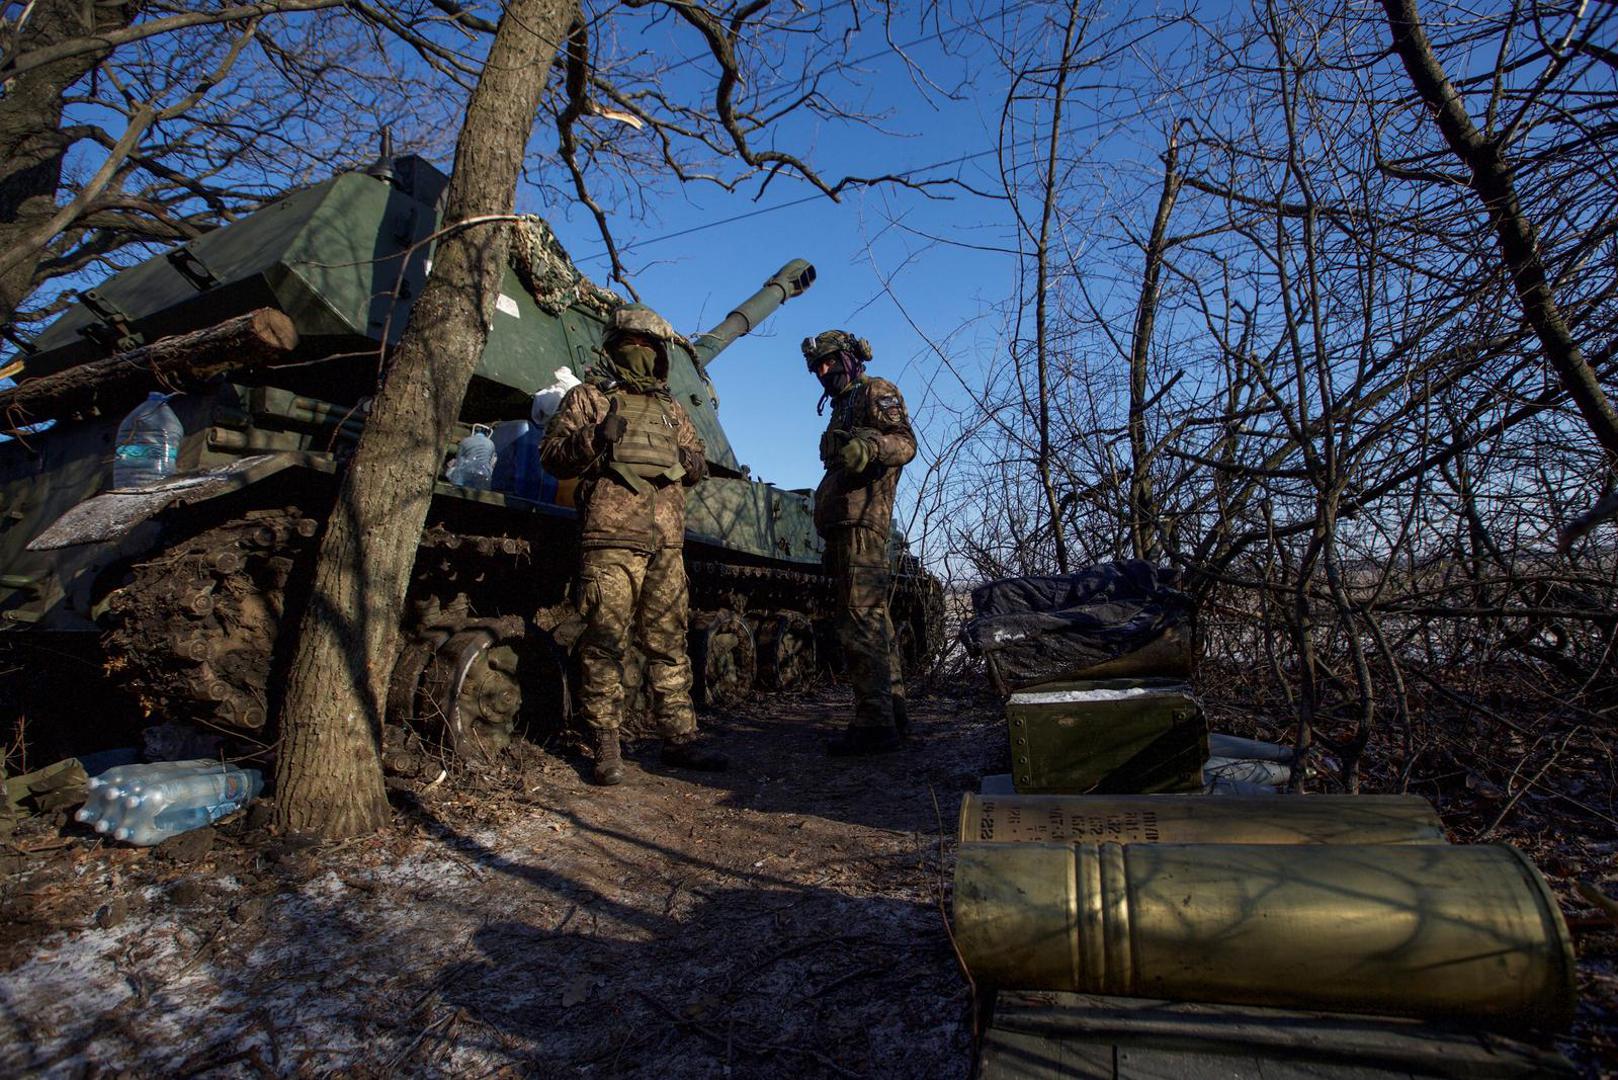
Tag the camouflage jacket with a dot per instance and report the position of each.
(872, 409)
(611, 514)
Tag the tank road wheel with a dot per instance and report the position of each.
(406, 678)
(469, 691)
(786, 650)
(918, 622)
(724, 660)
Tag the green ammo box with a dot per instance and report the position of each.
(1111, 736)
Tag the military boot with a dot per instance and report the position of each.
(693, 751)
(864, 740)
(609, 763)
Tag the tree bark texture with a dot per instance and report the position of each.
(257, 339)
(1489, 175)
(1053, 505)
(32, 142)
(328, 770)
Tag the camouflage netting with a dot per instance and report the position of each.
(549, 275)
(547, 272)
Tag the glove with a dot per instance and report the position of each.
(695, 466)
(613, 428)
(856, 455)
(831, 448)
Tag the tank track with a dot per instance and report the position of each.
(193, 628)
(766, 593)
(716, 585)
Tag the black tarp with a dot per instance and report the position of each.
(1038, 629)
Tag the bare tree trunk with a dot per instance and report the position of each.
(1042, 288)
(1143, 516)
(32, 143)
(1489, 175)
(328, 771)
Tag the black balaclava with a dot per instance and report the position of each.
(839, 377)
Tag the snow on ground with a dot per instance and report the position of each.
(782, 918)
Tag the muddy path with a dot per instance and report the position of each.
(782, 918)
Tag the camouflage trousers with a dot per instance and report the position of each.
(857, 560)
(627, 596)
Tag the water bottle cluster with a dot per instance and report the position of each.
(144, 804)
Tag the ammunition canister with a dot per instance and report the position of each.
(1200, 819)
(1408, 930)
(1107, 736)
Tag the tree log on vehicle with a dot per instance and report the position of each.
(258, 339)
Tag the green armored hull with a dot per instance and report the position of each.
(190, 586)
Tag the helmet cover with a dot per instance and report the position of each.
(640, 319)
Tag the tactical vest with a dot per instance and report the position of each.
(843, 411)
(648, 456)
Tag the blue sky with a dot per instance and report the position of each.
(879, 274)
(767, 397)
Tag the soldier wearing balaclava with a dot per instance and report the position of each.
(635, 452)
(867, 442)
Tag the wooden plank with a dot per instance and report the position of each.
(1379, 1047)
(1139, 1063)
(1013, 1055)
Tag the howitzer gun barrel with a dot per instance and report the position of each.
(789, 281)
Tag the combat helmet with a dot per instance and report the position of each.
(829, 341)
(640, 319)
(853, 352)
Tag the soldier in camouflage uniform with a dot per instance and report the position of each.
(635, 451)
(866, 444)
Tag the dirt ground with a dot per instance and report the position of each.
(781, 918)
(784, 918)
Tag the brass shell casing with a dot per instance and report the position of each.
(1200, 819)
(1422, 930)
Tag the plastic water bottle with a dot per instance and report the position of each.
(115, 792)
(144, 804)
(148, 444)
(474, 460)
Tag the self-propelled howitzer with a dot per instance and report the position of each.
(188, 590)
